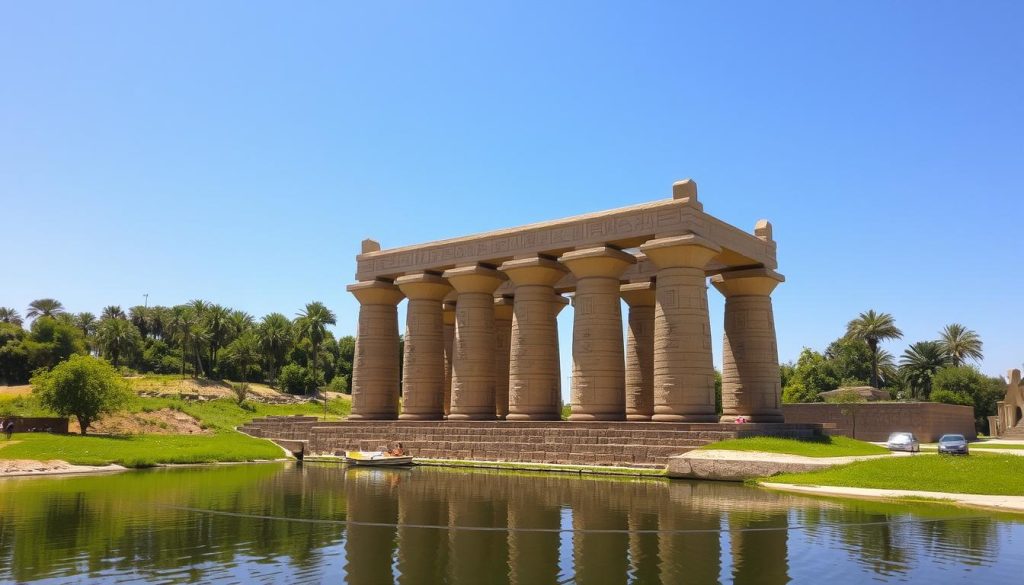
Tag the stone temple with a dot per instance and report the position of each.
(481, 335)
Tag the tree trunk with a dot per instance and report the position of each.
(874, 362)
(83, 423)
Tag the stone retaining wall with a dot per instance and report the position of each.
(632, 444)
(874, 421)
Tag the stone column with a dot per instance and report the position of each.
(684, 375)
(473, 363)
(448, 314)
(639, 350)
(598, 370)
(534, 386)
(502, 346)
(423, 370)
(375, 371)
(751, 386)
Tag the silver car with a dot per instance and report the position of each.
(903, 442)
(953, 445)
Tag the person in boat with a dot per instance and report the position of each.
(396, 450)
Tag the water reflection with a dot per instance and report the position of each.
(270, 523)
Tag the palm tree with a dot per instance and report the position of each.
(218, 326)
(117, 338)
(44, 308)
(9, 315)
(312, 324)
(887, 369)
(186, 330)
(275, 336)
(873, 327)
(919, 364)
(141, 317)
(240, 322)
(244, 353)
(87, 323)
(113, 312)
(960, 344)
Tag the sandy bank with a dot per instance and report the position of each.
(23, 467)
(1006, 503)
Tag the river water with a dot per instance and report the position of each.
(289, 523)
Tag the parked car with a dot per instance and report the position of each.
(903, 442)
(953, 445)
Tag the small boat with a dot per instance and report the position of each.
(379, 458)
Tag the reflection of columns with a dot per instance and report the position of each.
(448, 314)
(533, 556)
(598, 370)
(375, 371)
(600, 545)
(475, 554)
(534, 386)
(473, 364)
(750, 359)
(369, 549)
(759, 548)
(639, 350)
(689, 545)
(422, 502)
(502, 345)
(423, 371)
(684, 375)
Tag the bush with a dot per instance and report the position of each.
(845, 397)
(338, 384)
(796, 392)
(949, 397)
(241, 392)
(293, 379)
(84, 387)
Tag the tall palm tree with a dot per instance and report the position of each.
(960, 344)
(275, 336)
(244, 353)
(44, 308)
(141, 317)
(239, 322)
(113, 312)
(187, 331)
(218, 326)
(919, 364)
(312, 324)
(887, 370)
(9, 315)
(873, 327)
(87, 323)
(117, 338)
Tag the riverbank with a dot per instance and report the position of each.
(33, 467)
(1002, 503)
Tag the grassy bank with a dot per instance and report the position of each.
(997, 446)
(980, 473)
(139, 450)
(819, 447)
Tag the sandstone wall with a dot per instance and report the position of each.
(873, 421)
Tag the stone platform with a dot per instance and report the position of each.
(621, 444)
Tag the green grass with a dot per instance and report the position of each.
(996, 446)
(818, 447)
(141, 450)
(981, 473)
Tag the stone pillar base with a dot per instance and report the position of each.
(686, 418)
(414, 416)
(753, 418)
(638, 417)
(600, 416)
(533, 417)
(473, 416)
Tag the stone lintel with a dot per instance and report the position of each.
(689, 250)
(423, 286)
(638, 294)
(746, 282)
(599, 261)
(375, 292)
(560, 303)
(474, 279)
(624, 228)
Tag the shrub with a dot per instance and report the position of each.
(84, 387)
(293, 379)
(846, 397)
(950, 397)
(338, 384)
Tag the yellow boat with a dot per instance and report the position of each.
(377, 458)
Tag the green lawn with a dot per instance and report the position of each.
(141, 450)
(996, 446)
(980, 473)
(821, 447)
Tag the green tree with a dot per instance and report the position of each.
(217, 320)
(9, 315)
(873, 328)
(811, 375)
(244, 353)
(919, 364)
(293, 378)
(84, 387)
(275, 335)
(87, 323)
(44, 308)
(14, 366)
(113, 312)
(850, 359)
(966, 385)
(141, 317)
(960, 344)
(52, 341)
(312, 324)
(118, 338)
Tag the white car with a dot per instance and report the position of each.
(903, 442)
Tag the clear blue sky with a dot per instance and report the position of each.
(239, 151)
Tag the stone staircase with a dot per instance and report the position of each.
(626, 444)
(1017, 432)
